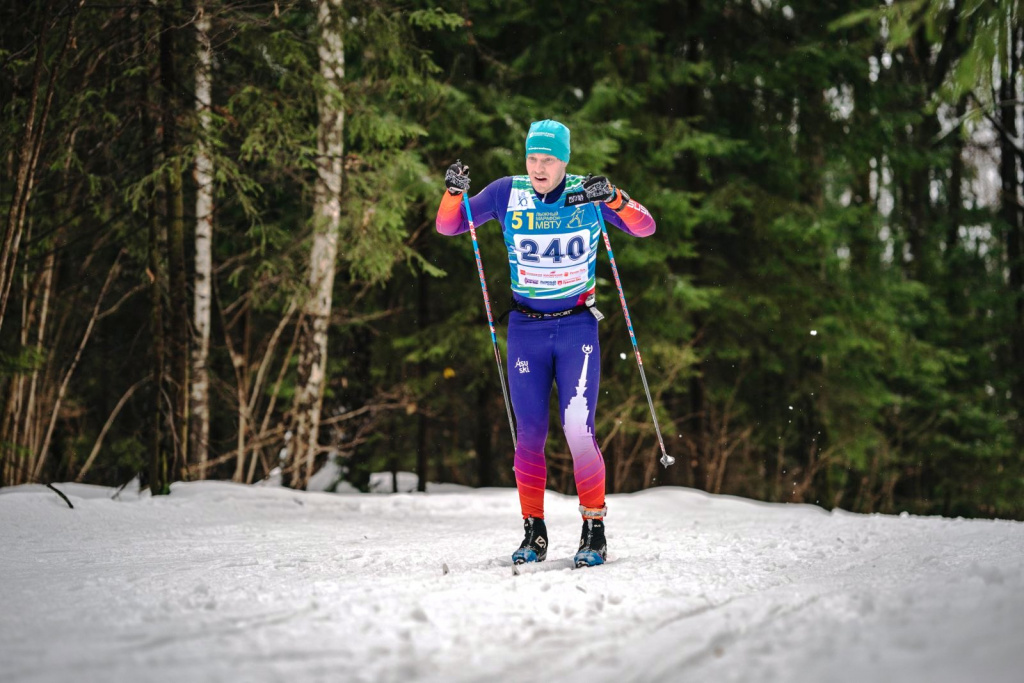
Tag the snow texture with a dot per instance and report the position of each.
(223, 582)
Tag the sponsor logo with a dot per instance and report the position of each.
(522, 366)
(576, 198)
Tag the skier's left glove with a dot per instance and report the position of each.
(598, 189)
(456, 179)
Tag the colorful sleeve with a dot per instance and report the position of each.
(630, 216)
(490, 204)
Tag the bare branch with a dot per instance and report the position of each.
(113, 309)
(74, 364)
(106, 427)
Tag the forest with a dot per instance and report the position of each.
(219, 259)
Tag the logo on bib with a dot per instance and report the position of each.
(576, 198)
(576, 221)
(519, 199)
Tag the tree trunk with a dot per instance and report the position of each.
(17, 446)
(423, 452)
(178, 334)
(32, 432)
(244, 392)
(1010, 211)
(426, 452)
(15, 222)
(956, 194)
(701, 434)
(159, 465)
(326, 224)
(158, 472)
(422, 449)
(690, 471)
(29, 152)
(200, 410)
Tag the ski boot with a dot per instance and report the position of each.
(534, 547)
(593, 546)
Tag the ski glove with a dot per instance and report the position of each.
(456, 179)
(598, 188)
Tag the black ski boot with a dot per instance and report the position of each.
(534, 547)
(593, 547)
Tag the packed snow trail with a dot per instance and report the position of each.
(222, 582)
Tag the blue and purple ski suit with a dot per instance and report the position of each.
(552, 243)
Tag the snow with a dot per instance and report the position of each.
(223, 582)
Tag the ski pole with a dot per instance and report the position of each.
(490, 316)
(666, 459)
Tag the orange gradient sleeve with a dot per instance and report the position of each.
(629, 215)
(450, 218)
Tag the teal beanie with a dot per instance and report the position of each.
(548, 137)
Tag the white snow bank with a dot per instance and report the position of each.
(222, 582)
(329, 478)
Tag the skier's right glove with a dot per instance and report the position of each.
(456, 179)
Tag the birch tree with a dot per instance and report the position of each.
(316, 312)
(200, 411)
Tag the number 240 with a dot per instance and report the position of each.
(573, 249)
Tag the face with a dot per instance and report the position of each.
(545, 172)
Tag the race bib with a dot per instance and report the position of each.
(553, 262)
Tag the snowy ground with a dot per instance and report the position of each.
(219, 582)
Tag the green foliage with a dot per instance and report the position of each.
(819, 319)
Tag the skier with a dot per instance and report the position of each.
(551, 222)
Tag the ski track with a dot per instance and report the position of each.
(221, 582)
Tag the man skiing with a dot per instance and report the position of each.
(551, 223)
